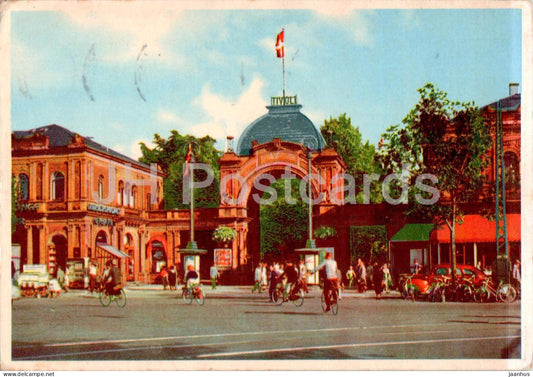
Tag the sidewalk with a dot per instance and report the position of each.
(246, 290)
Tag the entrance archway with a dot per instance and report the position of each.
(241, 185)
(156, 253)
(60, 245)
(101, 237)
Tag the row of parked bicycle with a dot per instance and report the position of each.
(465, 289)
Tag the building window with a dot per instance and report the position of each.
(24, 189)
(101, 187)
(120, 194)
(512, 170)
(127, 195)
(133, 196)
(58, 186)
(148, 202)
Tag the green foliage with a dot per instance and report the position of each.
(368, 242)
(447, 139)
(224, 234)
(358, 156)
(170, 155)
(324, 232)
(284, 226)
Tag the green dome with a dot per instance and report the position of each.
(284, 122)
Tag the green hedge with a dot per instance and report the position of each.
(368, 242)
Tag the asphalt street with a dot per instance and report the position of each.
(237, 325)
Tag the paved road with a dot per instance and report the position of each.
(236, 325)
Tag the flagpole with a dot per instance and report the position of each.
(283, 63)
(283, 68)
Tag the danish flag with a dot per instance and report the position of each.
(280, 49)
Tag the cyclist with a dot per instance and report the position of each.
(331, 282)
(291, 273)
(113, 278)
(191, 278)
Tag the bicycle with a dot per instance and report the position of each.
(195, 292)
(488, 291)
(119, 296)
(409, 291)
(333, 300)
(437, 289)
(296, 295)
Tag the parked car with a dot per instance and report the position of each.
(423, 281)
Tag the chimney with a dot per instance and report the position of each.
(513, 88)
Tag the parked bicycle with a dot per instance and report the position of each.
(194, 292)
(119, 296)
(489, 291)
(296, 295)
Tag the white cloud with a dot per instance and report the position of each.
(226, 116)
(133, 27)
(358, 23)
(168, 117)
(135, 149)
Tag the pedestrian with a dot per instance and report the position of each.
(214, 275)
(257, 278)
(164, 277)
(264, 276)
(387, 280)
(172, 278)
(93, 273)
(61, 278)
(302, 274)
(369, 275)
(416, 267)
(350, 276)
(341, 284)
(66, 284)
(274, 280)
(516, 271)
(378, 280)
(361, 275)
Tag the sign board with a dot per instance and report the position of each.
(222, 258)
(15, 256)
(191, 260)
(35, 268)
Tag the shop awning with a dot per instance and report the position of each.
(413, 232)
(477, 228)
(112, 250)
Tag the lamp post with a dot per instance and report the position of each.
(191, 252)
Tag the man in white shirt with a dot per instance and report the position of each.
(331, 283)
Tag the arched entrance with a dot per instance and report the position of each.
(244, 179)
(58, 250)
(101, 237)
(156, 255)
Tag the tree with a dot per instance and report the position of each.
(284, 226)
(347, 140)
(170, 155)
(447, 140)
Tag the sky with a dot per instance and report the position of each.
(120, 76)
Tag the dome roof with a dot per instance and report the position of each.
(284, 122)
